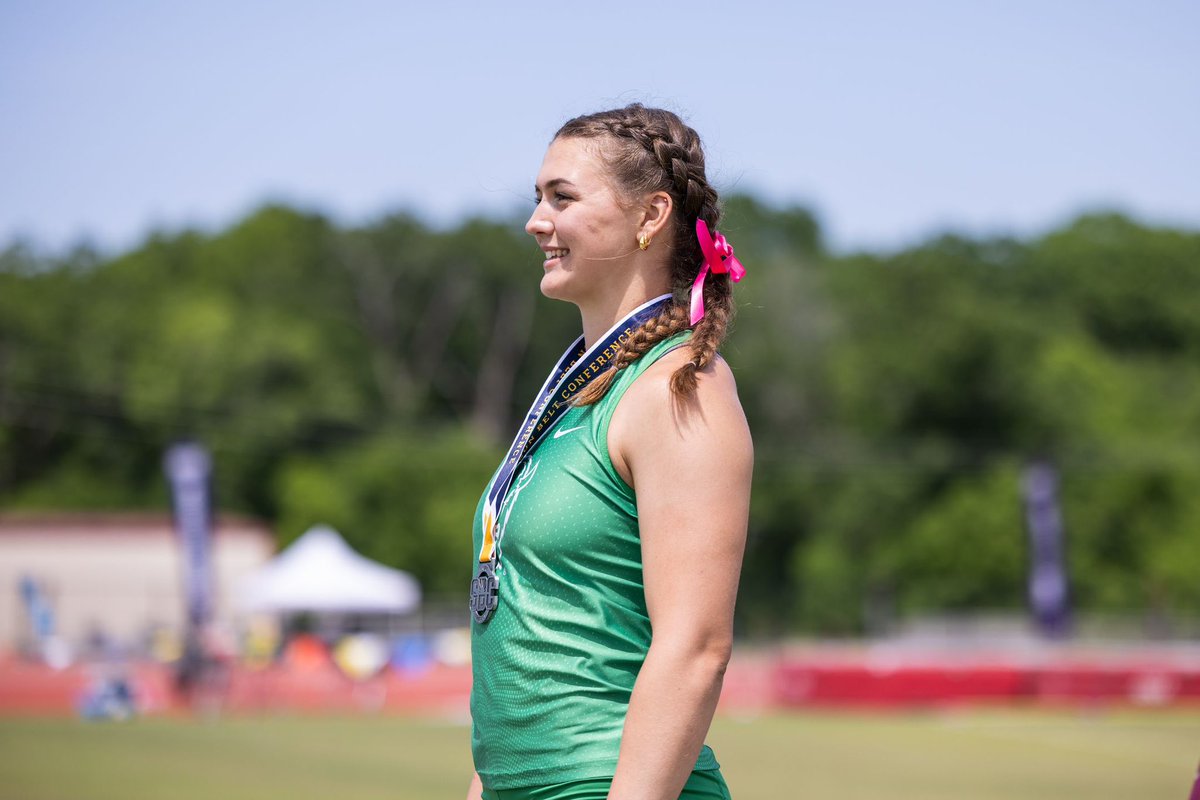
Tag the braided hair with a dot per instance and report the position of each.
(649, 150)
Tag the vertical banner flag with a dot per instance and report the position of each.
(188, 468)
(1048, 595)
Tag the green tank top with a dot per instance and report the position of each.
(554, 668)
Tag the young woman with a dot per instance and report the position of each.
(610, 540)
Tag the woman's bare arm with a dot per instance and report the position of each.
(690, 463)
(475, 791)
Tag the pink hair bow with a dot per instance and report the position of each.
(718, 257)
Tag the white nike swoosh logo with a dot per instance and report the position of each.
(568, 430)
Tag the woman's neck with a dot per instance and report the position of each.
(603, 313)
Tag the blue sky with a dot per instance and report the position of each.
(891, 120)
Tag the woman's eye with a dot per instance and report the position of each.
(558, 197)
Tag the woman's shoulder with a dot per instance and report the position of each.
(715, 384)
(650, 411)
(654, 429)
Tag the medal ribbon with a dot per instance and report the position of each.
(576, 368)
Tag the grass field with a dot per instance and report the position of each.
(980, 755)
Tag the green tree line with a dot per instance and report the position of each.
(369, 377)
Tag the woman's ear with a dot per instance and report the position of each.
(656, 211)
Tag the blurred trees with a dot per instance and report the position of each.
(370, 377)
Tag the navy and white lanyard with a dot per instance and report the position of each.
(575, 370)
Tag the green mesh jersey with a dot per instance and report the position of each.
(555, 667)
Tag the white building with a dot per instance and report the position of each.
(119, 574)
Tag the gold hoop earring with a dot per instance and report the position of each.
(643, 242)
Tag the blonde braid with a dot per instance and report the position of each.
(663, 325)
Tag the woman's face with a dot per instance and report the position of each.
(589, 238)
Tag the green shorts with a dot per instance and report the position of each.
(701, 785)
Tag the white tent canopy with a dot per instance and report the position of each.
(320, 573)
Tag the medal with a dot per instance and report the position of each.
(576, 368)
(485, 587)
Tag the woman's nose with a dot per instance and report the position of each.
(538, 223)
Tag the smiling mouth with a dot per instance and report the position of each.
(553, 254)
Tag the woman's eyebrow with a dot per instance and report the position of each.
(550, 184)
